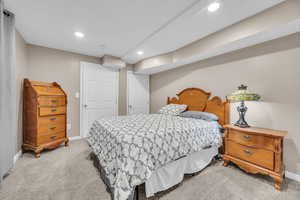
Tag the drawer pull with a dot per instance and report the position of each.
(52, 128)
(54, 101)
(52, 119)
(247, 152)
(53, 137)
(247, 137)
(53, 110)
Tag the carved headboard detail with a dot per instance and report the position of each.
(198, 100)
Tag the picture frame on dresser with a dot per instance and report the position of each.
(44, 116)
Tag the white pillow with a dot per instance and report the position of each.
(172, 109)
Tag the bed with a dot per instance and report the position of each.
(157, 149)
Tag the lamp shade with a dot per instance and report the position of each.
(242, 94)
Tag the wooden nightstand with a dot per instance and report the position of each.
(256, 150)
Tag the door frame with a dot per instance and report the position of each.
(127, 91)
(81, 95)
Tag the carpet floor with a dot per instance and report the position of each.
(68, 173)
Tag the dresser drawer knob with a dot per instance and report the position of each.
(53, 118)
(53, 110)
(247, 137)
(54, 101)
(52, 128)
(53, 137)
(247, 152)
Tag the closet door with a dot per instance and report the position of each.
(138, 93)
(99, 95)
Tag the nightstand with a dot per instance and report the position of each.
(256, 150)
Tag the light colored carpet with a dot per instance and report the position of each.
(68, 173)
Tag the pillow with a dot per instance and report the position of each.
(200, 115)
(172, 109)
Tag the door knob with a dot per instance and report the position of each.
(85, 105)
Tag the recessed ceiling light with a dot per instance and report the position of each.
(213, 7)
(79, 34)
(140, 53)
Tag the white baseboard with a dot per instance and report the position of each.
(293, 176)
(75, 138)
(17, 156)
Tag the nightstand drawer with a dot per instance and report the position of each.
(261, 157)
(252, 140)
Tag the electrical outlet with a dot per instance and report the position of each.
(77, 95)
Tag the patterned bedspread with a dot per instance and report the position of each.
(130, 148)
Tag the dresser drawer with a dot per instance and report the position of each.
(252, 140)
(261, 157)
(53, 127)
(52, 120)
(44, 111)
(51, 101)
(43, 139)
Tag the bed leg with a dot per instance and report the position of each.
(136, 193)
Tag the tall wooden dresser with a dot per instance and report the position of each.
(44, 116)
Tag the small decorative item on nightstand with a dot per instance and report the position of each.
(242, 95)
(256, 150)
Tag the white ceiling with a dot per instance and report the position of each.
(126, 26)
(271, 33)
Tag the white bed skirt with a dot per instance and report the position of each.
(173, 173)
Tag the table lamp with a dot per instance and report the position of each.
(242, 95)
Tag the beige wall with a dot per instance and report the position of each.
(270, 69)
(45, 64)
(21, 73)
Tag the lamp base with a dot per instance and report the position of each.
(242, 109)
(242, 124)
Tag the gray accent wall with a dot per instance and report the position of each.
(271, 69)
(21, 73)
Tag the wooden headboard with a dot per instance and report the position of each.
(198, 100)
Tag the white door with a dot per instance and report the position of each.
(99, 94)
(138, 93)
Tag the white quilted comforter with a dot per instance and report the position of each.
(130, 148)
